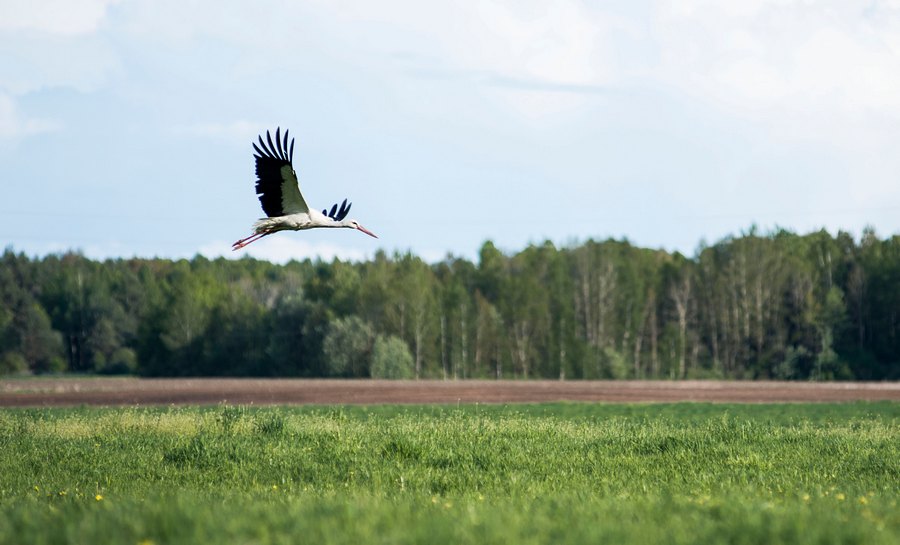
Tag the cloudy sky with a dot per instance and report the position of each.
(125, 125)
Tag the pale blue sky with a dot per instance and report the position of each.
(125, 126)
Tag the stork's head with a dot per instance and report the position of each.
(353, 224)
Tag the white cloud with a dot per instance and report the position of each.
(749, 56)
(558, 45)
(281, 249)
(236, 132)
(430, 255)
(826, 58)
(549, 50)
(13, 125)
(34, 58)
(67, 17)
(559, 42)
(839, 58)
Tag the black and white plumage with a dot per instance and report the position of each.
(280, 196)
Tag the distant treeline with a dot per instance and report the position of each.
(779, 306)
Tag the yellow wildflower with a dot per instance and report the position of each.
(839, 496)
(98, 497)
(863, 500)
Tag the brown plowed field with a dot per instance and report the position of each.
(39, 392)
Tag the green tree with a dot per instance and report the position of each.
(831, 319)
(416, 292)
(27, 338)
(297, 327)
(39, 344)
(348, 347)
(391, 359)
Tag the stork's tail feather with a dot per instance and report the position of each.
(264, 225)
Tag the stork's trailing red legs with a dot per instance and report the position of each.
(245, 241)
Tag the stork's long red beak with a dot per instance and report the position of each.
(366, 231)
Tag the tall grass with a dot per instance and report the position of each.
(681, 473)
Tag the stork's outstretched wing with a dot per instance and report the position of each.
(338, 215)
(276, 181)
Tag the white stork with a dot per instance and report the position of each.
(280, 196)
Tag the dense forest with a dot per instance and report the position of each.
(779, 306)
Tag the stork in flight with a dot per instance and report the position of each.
(280, 196)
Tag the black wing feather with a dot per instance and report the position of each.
(278, 141)
(338, 214)
(345, 209)
(270, 183)
(271, 146)
(263, 144)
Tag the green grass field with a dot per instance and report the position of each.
(561, 473)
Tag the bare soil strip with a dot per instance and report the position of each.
(63, 392)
